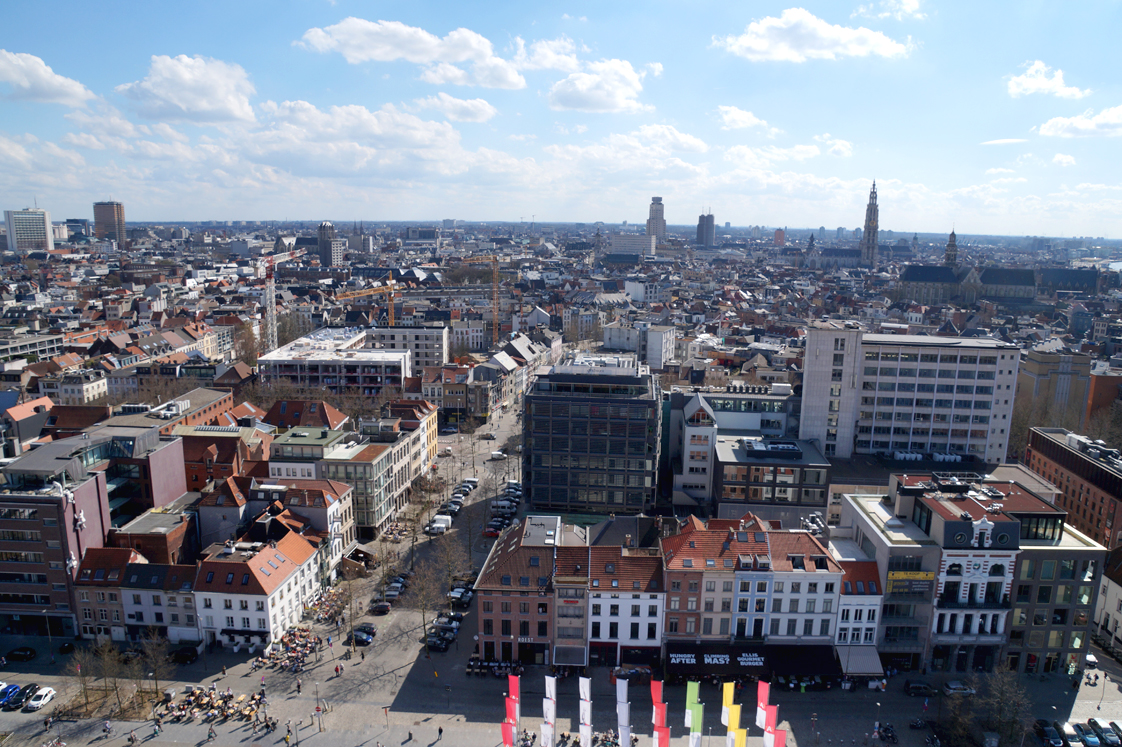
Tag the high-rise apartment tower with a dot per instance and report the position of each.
(109, 222)
(656, 222)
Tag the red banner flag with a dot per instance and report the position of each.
(763, 693)
(780, 738)
(508, 734)
(512, 682)
(660, 714)
(512, 710)
(662, 736)
(656, 691)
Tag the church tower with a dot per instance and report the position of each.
(951, 258)
(869, 244)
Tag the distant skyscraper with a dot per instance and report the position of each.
(331, 248)
(706, 230)
(869, 236)
(656, 222)
(109, 222)
(780, 237)
(951, 257)
(29, 230)
(841, 233)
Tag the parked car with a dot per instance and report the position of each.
(448, 431)
(488, 437)
(1067, 733)
(492, 532)
(400, 580)
(391, 595)
(66, 648)
(23, 653)
(381, 608)
(457, 617)
(7, 692)
(1086, 735)
(437, 644)
(954, 687)
(131, 654)
(26, 693)
(1103, 731)
(360, 638)
(914, 687)
(41, 698)
(460, 598)
(185, 655)
(1049, 737)
(369, 628)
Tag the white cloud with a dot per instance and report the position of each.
(547, 54)
(192, 89)
(1005, 141)
(898, 9)
(654, 68)
(836, 146)
(1106, 122)
(31, 79)
(1036, 79)
(359, 40)
(574, 130)
(567, 17)
(460, 110)
(746, 156)
(607, 86)
(1063, 160)
(798, 35)
(998, 170)
(672, 138)
(1009, 180)
(523, 138)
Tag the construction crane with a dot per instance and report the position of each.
(389, 290)
(494, 293)
(270, 308)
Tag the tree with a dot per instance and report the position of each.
(112, 281)
(107, 658)
(154, 650)
(959, 717)
(247, 346)
(428, 591)
(82, 667)
(1005, 706)
(291, 326)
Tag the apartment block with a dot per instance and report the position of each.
(880, 394)
(427, 346)
(337, 360)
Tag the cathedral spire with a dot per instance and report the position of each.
(951, 257)
(869, 244)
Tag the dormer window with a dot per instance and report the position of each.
(506, 580)
(710, 563)
(615, 583)
(798, 562)
(609, 568)
(687, 563)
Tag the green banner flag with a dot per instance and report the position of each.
(691, 693)
(698, 717)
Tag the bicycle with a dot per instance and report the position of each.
(55, 743)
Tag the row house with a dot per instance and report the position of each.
(626, 601)
(101, 613)
(159, 600)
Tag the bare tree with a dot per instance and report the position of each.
(247, 345)
(82, 667)
(291, 326)
(428, 591)
(959, 718)
(154, 650)
(107, 658)
(1005, 706)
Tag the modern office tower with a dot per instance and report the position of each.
(592, 436)
(656, 222)
(869, 235)
(331, 248)
(882, 394)
(109, 222)
(29, 230)
(77, 227)
(950, 259)
(706, 230)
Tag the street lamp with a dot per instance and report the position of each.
(50, 641)
(319, 710)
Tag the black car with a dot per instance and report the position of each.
(66, 648)
(131, 654)
(185, 655)
(437, 644)
(21, 697)
(23, 653)
(381, 608)
(369, 628)
(453, 616)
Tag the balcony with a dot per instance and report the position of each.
(899, 645)
(985, 604)
(990, 639)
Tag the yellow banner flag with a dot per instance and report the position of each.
(729, 692)
(741, 737)
(734, 717)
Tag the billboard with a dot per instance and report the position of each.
(911, 583)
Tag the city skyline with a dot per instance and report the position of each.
(772, 114)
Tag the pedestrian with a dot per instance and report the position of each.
(108, 727)
(440, 732)
(255, 726)
(223, 671)
(336, 670)
(288, 725)
(262, 682)
(287, 738)
(210, 735)
(132, 737)
(155, 730)
(298, 685)
(362, 656)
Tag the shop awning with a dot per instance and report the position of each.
(803, 661)
(860, 661)
(688, 659)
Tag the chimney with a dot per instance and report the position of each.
(628, 542)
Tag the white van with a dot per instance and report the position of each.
(472, 481)
(502, 506)
(498, 455)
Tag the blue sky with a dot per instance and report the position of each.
(999, 117)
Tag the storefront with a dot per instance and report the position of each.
(803, 661)
(689, 659)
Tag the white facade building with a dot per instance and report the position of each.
(428, 346)
(29, 230)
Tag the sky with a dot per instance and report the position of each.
(1000, 117)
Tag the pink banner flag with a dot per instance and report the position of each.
(763, 692)
(780, 739)
(659, 714)
(769, 726)
(656, 691)
(512, 710)
(508, 734)
(662, 736)
(512, 683)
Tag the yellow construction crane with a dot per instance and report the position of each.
(389, 290)
(494, 293)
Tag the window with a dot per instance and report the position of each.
(671, 625)
(524, 627)
(613, 630)
(488, 627)
(792, 626)
(691, 626)
(504, 627)
(651, 631)
(808, 626)
(613, 610)
(543, 629)
(707, 626)
(634, 631)
(824, 627)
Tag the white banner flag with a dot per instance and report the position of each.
(725, 715)
(689, 718)
(621, 691)
(624, 735)
(585, 688)
(586, 734)
(623, 714)
(549, 710)
(730, 739)
(586, 712)
(547, 734)
(551, 688)
(695, 739)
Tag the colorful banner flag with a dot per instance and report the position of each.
(734, 717)
(662, 736)
(659, 716)
(780, 739)
(585, 688)
(689, 715)
(656, 691)
(513, 686)
(549, 710)
(763, 693)
(769, 726)
(624, 734)
(691, 692)
(512, 710)
(698, 718)
(741, 737)
(551, 687)
(508, 734)
(621, 690)
(728, 691)
(586, 734)
(586, 711)
(730, 739)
